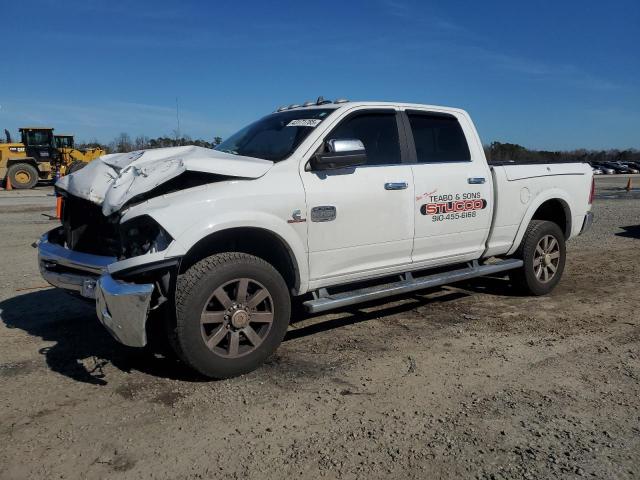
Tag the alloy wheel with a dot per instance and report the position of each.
(237, 318)
(546, 258)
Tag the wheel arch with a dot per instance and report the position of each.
(261, 242)
(555, 210)
(553, 206)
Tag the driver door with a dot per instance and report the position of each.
(360, 219)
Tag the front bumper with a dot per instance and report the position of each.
(64, 268)
(586, 224)
(122, 307)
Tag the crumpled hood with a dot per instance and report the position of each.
(112, 180)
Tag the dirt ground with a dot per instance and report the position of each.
(460, 382)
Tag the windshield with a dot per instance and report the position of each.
(64, 142)
(37, 137)
(275, 136)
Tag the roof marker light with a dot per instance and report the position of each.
(341, 100)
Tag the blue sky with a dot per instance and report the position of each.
(545, 74)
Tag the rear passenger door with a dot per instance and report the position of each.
(453, 188)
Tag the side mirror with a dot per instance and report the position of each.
(340, 154)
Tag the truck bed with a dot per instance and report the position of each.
(520, 189)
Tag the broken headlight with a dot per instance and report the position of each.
(142, 235)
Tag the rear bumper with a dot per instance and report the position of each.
(586, 224)
(122, 307)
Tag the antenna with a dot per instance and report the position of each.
(178, 136)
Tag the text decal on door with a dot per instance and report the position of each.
(454, 206)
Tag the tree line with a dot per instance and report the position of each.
(511, 151)
(124, 143)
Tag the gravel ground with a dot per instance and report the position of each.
(464, 382)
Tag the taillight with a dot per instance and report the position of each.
(593, 190)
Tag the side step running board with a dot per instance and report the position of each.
(326, 301)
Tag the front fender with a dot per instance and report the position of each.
(290, 234)
(546, 195)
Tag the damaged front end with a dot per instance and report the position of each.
(83, 256)
(124, 298)
(121, 265)
(113, 181)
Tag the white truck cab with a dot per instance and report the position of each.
(306, 201)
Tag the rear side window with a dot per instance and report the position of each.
(377, 131)
(438, 138)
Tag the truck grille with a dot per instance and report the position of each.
(87, 230)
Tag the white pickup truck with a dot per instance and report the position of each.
(340, 202)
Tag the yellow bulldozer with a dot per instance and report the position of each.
(72, 158)
(40, 155)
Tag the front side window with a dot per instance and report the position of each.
(275, 136)
(438, 138)
(377, 131)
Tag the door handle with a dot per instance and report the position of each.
(395, 185)
(476, 180)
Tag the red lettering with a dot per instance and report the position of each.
(431, 209)
(456, 206)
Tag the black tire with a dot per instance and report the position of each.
(541, 272)
(75, 166)
(199, 292)
(23, 176)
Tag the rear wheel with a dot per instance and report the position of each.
(233, 311)
(543, 251)
(22, 175)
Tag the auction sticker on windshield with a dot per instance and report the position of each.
(304, 122)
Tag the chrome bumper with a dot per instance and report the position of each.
(588, 221)
(64, 268)
(122, 307)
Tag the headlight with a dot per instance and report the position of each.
(143, 235)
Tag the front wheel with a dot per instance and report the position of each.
(22, 175)
(232, 312)
(543, 252)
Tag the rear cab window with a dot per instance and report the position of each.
(438, 137)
